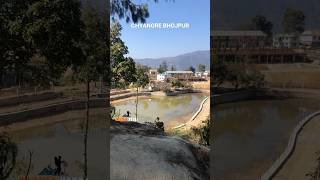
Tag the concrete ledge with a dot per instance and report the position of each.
(233, 96)
(20, 116)
(29, 98)
(293, 93)
(127, 95)
(277, 165)
(194, 116)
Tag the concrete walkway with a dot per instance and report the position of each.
(202, 116)
(303, 158)
(198, 118)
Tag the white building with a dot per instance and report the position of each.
(286, 41)
(161, 77)
(204, 74)
(310, 38)
(181, 75)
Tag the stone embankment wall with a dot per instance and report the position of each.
(264, 93)
(11, 101)
(53, 109)
(20, 116)
(127, 95)
(232, 97)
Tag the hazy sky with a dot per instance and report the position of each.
(155, 43)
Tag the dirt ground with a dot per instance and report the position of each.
(303, 158)
(292, 75)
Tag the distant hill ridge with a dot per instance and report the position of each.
(181, 62)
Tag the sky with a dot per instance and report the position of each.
(159, 42)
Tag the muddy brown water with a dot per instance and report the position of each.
(65, 138)
(250, 135)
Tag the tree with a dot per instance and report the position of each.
(122, 68)
(15, 52)
(293, 21)
(53, 28)
(129, 11)
(219, 71)
(173, 68)
(163, 67)
(191, 68)
(261, 23)
(201, 68)
(142, 80)
(236, 74)
(94, 61)
(8, 154)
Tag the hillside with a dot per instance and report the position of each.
(182, 62)
(228, 14)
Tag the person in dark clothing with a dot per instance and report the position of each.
(127, 114)
(159, 124)
(57, 162)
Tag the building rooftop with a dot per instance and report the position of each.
(286, 35)
(238, 33)
(178, 72)
(311, 33)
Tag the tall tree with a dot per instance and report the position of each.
(173, 68)
(293, 21)
(54, 30)
(219, 71)
(15, 51)
(128, 10)
(261, 23)
(163, 67)
(142, 79)
(122, 67)
(94, 60)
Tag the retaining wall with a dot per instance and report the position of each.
(194, 116)
(277, 165)
(232, 97)
(20, 116)
(292, 93)
(256, 94)
(8, 118)
(29, 98)
(123, 96)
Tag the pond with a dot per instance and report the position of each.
(250, 135)
(65, 137)
(172, 110)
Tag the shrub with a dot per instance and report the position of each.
(203, 133)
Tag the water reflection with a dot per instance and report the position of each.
(167, 108)
(250, 135)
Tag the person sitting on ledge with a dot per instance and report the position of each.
(127, 115)
(159, 124)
